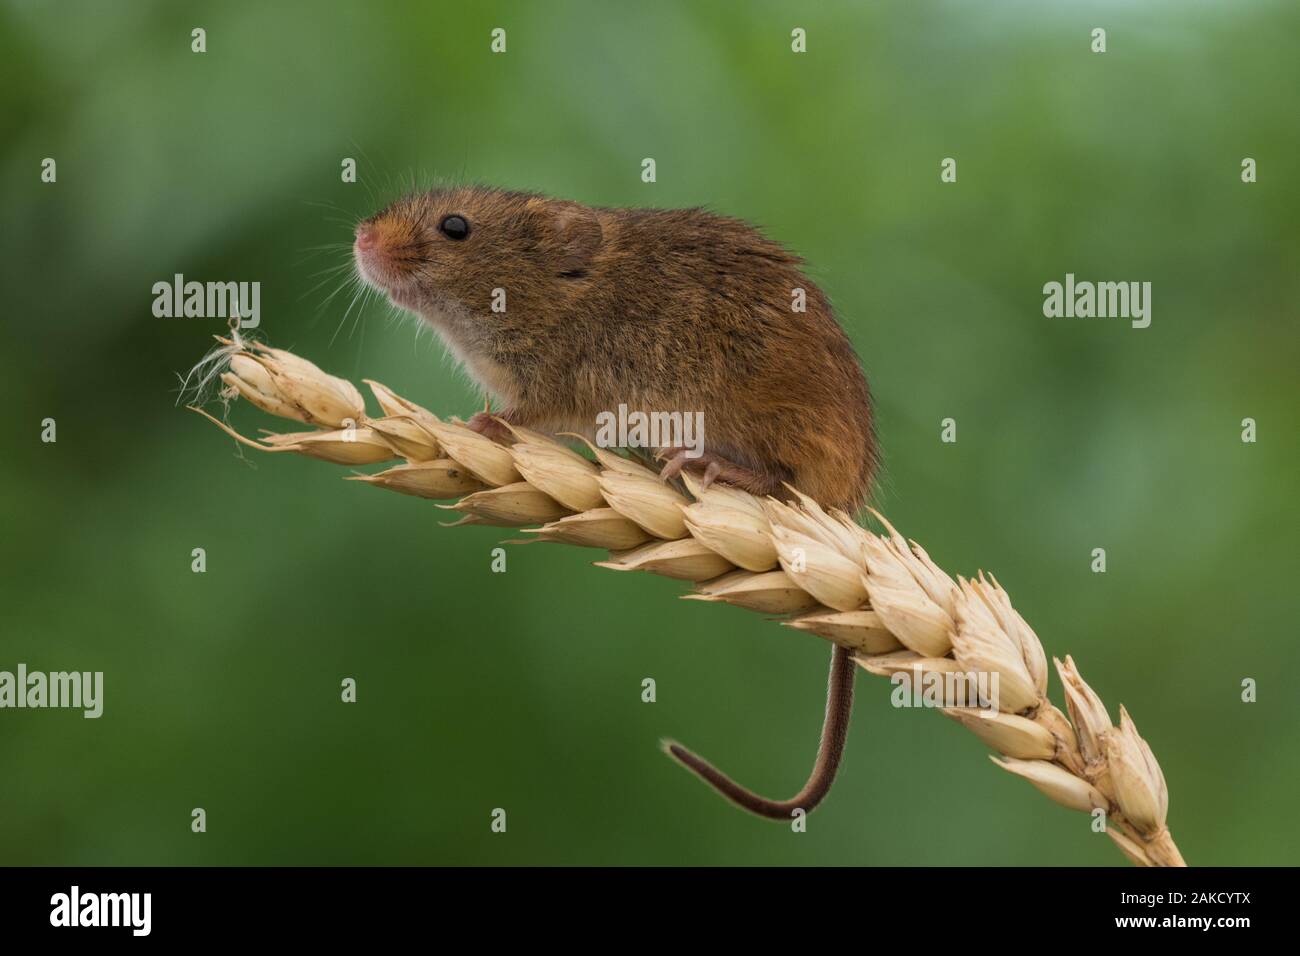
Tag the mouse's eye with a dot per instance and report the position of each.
(454, 227)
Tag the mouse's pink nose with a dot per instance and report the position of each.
(367, 237)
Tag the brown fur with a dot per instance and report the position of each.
(663, 310)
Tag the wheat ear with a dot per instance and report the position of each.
(879, 595)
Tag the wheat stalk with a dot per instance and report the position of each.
(879, 595)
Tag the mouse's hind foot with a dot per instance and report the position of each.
(491, 425)
(712, 467)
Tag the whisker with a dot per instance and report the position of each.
(347, 282)
(330, 274)
(347, 312)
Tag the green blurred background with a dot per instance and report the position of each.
(522, 691)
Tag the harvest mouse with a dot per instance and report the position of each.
(658, 310)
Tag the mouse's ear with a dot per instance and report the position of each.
(577, 232)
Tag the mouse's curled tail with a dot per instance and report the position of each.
(835, 729)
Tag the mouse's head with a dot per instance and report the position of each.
(450, 249)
